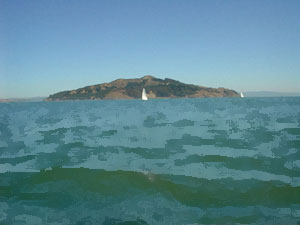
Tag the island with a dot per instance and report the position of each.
(132, 89)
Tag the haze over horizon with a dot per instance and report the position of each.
(52, 46)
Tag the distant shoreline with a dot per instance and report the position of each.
(33, 99)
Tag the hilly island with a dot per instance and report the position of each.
(132, 89)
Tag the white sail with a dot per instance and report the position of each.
(144, 95)
(242, 95)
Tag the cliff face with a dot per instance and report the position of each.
(132, 89)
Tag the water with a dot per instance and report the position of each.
(177, 161)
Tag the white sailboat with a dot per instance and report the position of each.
(144, 95)
(242, 95)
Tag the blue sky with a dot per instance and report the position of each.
(50, 46)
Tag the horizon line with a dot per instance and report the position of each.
(279, 92)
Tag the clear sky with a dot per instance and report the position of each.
(50, 46)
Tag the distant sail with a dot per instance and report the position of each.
(144, 95)
(242, 95)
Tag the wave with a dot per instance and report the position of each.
(187, 190)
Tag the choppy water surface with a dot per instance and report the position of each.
(178, 161)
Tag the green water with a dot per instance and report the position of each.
(178, 161)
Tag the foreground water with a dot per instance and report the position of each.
(178, 161)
